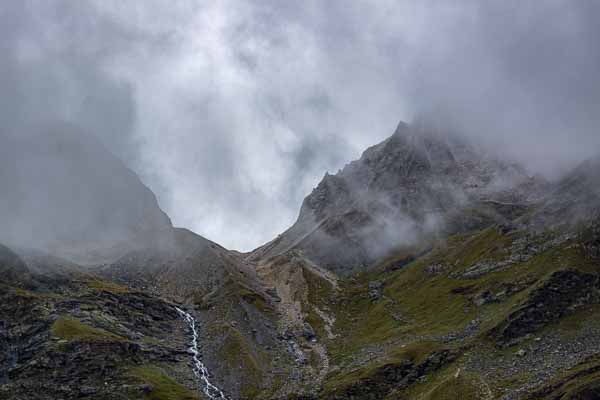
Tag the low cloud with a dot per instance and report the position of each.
(232, 111)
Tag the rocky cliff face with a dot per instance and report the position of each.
(65, 193)
(399, 192)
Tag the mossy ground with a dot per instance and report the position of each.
(72, 329)
(454, 388)
(418, 306)
(238, 355)
(415, 353)
(102, 285)
(161, 386)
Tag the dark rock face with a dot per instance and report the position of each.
(399, 192)
(564, 293)
(63, 192)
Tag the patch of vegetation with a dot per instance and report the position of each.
(199, 298)
(488, 244)
(72, 329)
(320, 293)
(255, 299)
(235, 291)
(238, 355)
(425, 302)
(162, 387)
(320, 289)
(459, 388)
(105, 286)
(19, 292)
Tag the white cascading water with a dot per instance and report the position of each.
(200, 371)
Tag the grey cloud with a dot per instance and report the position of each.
(232, 111)
(521, 74)
(52, 70)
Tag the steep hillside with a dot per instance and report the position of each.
(499, 300)
(236, 316)
(505, 312)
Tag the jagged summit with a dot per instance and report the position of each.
(398, 191)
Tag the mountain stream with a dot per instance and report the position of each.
(200, 371)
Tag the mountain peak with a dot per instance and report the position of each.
(398, 191)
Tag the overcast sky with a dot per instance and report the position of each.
(231, 111)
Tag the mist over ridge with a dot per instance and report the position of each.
(65, 193)
(232, 113)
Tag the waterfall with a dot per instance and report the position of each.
(200, 371)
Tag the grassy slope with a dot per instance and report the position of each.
(71, 329)
(419, 307)
(162, 386)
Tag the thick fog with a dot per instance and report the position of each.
(232, 111)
